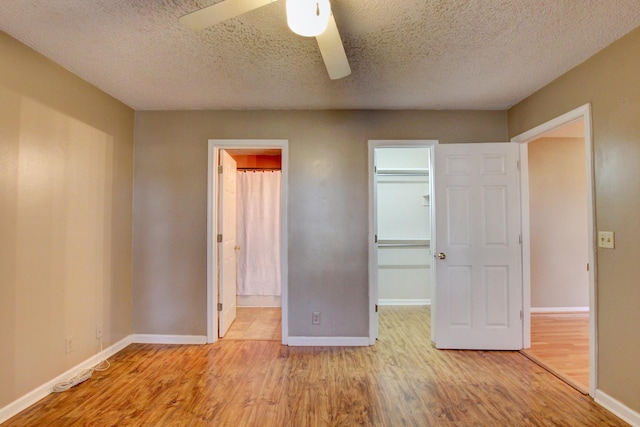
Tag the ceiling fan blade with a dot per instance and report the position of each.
(211, 15)
(332, 50)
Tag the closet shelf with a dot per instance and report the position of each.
(403, 171)
(385, 243)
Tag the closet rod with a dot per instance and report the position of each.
(388, 243)
(258, 169)
(397, 245)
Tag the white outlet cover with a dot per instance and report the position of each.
(68, 345)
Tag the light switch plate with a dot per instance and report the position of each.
(606, 239)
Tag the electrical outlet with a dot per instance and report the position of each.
(68, 345)
(98, 331)
(315, 318)
(606, 239)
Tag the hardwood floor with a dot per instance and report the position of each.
(256, 323)
(401, 381)
(560, 343)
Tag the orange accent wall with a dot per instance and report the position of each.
(258, 161)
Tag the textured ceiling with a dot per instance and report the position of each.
(404, 54)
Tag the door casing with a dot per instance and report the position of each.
(214, 147)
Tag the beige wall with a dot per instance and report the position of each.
(66, 157)
(558, 223)
(610, 82)
(328, 207)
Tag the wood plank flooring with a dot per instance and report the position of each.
(401, 381)
(256, 323)
(560, 343)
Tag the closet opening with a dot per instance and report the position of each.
(400, 214)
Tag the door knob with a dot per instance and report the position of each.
(442, 255)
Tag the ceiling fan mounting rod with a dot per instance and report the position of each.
(302, 18)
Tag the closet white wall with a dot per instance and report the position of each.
(403, 225)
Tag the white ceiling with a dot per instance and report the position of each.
(404, 54)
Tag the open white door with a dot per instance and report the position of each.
(227, 253)
(478, 255)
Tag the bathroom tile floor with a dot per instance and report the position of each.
(256, 323)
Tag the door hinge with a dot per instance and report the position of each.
(520, 238)
(219, 306)
(375, 169)
(518, 163)
(587, 266)
(220, 168)
(219, 238)
(521, 316)
(376, 308)
(375, 238)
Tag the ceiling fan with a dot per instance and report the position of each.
(310, 18)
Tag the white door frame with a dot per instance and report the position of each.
(584, 113)
(215, 145)
(373, 253)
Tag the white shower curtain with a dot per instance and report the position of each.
(258, 203)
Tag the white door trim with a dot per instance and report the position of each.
(212, 219)
(584, 113)
(373, 253)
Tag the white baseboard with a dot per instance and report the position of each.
(328, 341)
(559, 309)
(617, 408)
(259, 301)
(404, 302)
(168, 339)
(45, 389)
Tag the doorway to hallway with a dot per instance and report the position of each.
(536, 298)
(559, 254)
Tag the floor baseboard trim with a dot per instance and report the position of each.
(328, 341)
(617, 408)
(168, 339)
(404, 302)
(559, 309)
(46, 389)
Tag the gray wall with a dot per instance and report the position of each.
(328, 207)
(609, 81)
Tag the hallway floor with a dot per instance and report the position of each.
(560, 343)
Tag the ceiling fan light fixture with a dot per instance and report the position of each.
(308, 18)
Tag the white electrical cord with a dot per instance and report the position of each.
(81, 376)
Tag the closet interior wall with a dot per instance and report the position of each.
(403, 225)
